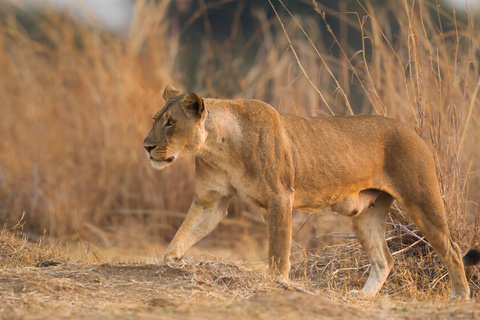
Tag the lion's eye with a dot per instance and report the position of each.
(169, 123)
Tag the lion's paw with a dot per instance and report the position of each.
(358, 294)
(459, 297)
(282, 283)
(173, 261)
(355, 294)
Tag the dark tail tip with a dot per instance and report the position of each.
(472, 258)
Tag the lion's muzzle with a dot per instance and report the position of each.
(158, 156)
(148, 148)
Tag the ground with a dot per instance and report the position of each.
(193, 289)
(45, 279)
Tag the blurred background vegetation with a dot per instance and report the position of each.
(77, 95)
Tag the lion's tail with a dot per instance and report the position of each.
(472, 258)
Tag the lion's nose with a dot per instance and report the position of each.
(148, 148)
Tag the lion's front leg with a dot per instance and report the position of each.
(204, 215)
(279, 219)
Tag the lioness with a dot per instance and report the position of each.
(355, 165)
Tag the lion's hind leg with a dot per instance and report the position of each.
(429, 217)
(369, 227)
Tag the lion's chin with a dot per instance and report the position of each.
(160, 165)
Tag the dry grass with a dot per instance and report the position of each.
(77, 102)
(212, 289)
(418, 274)
(16, 251)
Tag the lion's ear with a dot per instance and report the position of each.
(170, 92)
(193, 105)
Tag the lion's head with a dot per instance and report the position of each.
(178, 128)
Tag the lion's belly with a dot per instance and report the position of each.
(346, 203)
(311, 202)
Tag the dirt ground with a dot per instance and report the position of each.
(192, 289)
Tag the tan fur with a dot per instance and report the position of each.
(353, 165)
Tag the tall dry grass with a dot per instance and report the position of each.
(76, 103)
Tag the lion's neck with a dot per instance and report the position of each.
(222, 130)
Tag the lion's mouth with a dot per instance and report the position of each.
(159, 164)
(167, 160)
